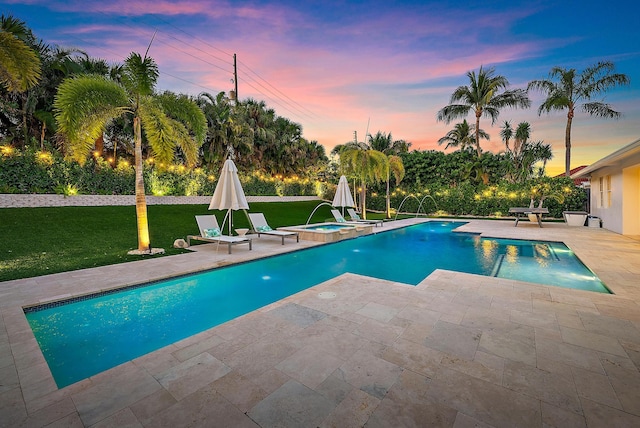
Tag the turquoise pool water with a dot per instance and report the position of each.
(82, 338)
(327, 227)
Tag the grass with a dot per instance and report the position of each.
(40, 241)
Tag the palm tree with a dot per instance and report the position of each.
(86, 103)
(522, 134)
(19, 63)
(462, 135)
(368, 165)
(484, 98)
(392, 148)
(565, 89)
(506, 133)
(386, 144)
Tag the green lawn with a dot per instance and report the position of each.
(40, 241)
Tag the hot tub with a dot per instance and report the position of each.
(329, 232)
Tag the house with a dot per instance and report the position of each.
(615, 189)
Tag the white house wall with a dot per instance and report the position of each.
(631, 201)
(623, 216)
(611, 216)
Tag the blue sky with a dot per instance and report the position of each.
(336, 66)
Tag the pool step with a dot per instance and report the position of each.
(497, 265)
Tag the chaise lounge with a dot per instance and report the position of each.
(353, 215)
(210, 232)
(260, 226)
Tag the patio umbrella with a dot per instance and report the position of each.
(229, 194)
(343, 196)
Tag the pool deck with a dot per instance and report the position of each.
(458, 350)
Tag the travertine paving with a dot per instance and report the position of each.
(458, 350)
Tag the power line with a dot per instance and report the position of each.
(276, 89)
(244, 64)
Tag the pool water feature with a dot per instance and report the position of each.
(89, 335)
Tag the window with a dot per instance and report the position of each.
(604, 200)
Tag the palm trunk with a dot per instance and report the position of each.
(567, 143)
(363, 199)
(478, 133)
(141, 202)
(388, 200)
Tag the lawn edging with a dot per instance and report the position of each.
(50, 200)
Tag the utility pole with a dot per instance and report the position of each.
(235, 77)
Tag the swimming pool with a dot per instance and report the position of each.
(87, 336)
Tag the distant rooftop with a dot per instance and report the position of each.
(577, 181)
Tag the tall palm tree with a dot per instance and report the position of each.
(19, 63)
(463, 136)
(566, 88)
(483, 97)
(368, 165)
(86, 103)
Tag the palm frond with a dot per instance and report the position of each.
(601, 109)
(187, 112)
(19, 64)
(160, 130)
(140, 75)
(83, 106)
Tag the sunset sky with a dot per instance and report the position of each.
(336, 66)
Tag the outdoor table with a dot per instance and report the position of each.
(537, 211)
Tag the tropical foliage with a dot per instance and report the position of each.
(566, 89)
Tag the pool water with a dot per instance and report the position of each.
(327, 227)
(85, 337)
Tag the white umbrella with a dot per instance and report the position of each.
(343, 196)
(229, 194)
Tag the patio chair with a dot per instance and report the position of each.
(359, 225)
(210, 232)
(353, 215)
(260, 226)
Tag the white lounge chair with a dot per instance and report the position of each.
(210, 232)
(260, 226)
(353, 215)
(358, 224)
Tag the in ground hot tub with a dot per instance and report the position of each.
(329, 232)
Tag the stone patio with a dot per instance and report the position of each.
(458, 350)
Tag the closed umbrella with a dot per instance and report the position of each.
(229, 194)
(343, 196)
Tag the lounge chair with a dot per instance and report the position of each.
(210, 232)
(359, 225)
(260, 226)
(353, 215)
